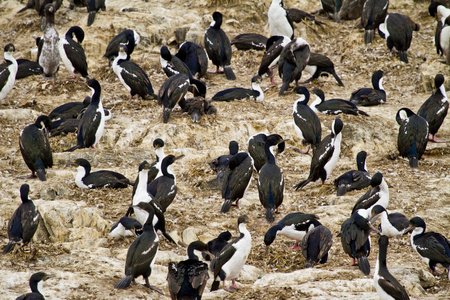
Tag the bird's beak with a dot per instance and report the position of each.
(409, 229)
(178, 157)
(284, 140)
(373, 227)
(373, 218)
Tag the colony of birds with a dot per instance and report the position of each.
(73, 131)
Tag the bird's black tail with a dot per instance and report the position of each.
(226, 206)
(124, 282)
(73, 148)
(166, 115)
(215, 285)
(413, 162)
(342, 189)
(41, 174)
(229, 73)
(284, 88)
(91, 18)
(403, 56)
(9, 247)
(302, 184)
(339, 81)
(368, 36)
(362, 113)
(270, 214)
(364, 265)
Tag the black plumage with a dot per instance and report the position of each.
(93, 7)
(218, 46)
(236, 179)
(435, 9)
(377, 195)
(355, 240)
(316, 244)
(39, 7)
(298, 15)
(247, 41)
(71, 52)
(24, 221)
(386, 285)
(163, 189)
(321, 65)
(412, 136)
(126, 226)
(194, 56)
(332, 8)
(274, 46)
(132, 76)
(64, 126)
(98, 179)
(36, 280)
(241, 93)
(8, 71)
(294, 226)
(293, 59)
(35, 147)
(435, 108)
(433, 247)
(334, 106)
(187, 279)
(172, 91)
(142, 252)
(216, 245)
(220, 164)
(371, 96)
(325, 156)
(351, 9)
(256, 149)
(70, 110)
(354, 179)
(373, 14)
(128, 37)
(306, 122)
(27, 68)
(92, 122)
(271, 180)
(197, 107)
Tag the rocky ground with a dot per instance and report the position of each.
(72, 239)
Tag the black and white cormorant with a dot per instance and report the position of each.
(64, 126)
(36, 282)
(131, 75)
(70, 110)
(153, 170)
(142, 254)
(256, 149)
(371, 96)
(229, 262)
(48, 52)
(128, 37)
(325, 156)
(194, 56)
(8, 71)
(319, 64)
(436, 9)
(274, 46)
(71, 52)
(187, 279)
(220, 164)
(316, 244)
(86, 179)
(398, 29)
(218, 46)
(377, 195)
(332, 8)
(391, 224)
(24, 221)
(27, 68)
(172, 65)
(293, 226)
(236, 179)
(412, 136)
(35, 147)
(433, 247)
(355, 240)
(334, 106)
(241, 93)
(386, 285)
(354, 179)
(373, 14)
(306, 122)
(172, 91)
(435, 108)
(163, 189)
(293, 60)
(271, 180)
(93, 120)
(247, 41)
(93, 7)
(126, 226)
(280, 22)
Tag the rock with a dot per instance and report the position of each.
(430, 69)
(190, 235)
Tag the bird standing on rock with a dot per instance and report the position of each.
(71, 52)
(172, 91)
(48, 52)
(293, 60)
(8, 71)
(377, 195)
(373, 14)
(316, 244)
(218, 46)
(128, 37)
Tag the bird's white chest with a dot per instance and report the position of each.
(81, 172)
(12, 68)
(278, 23)
(233, 267)
(292, 233)
(101, 126)
(64, 56)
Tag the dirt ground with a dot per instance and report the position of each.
(86, 264)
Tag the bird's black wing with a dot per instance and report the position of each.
(75, 53)
(396, 290)
(368, 199)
